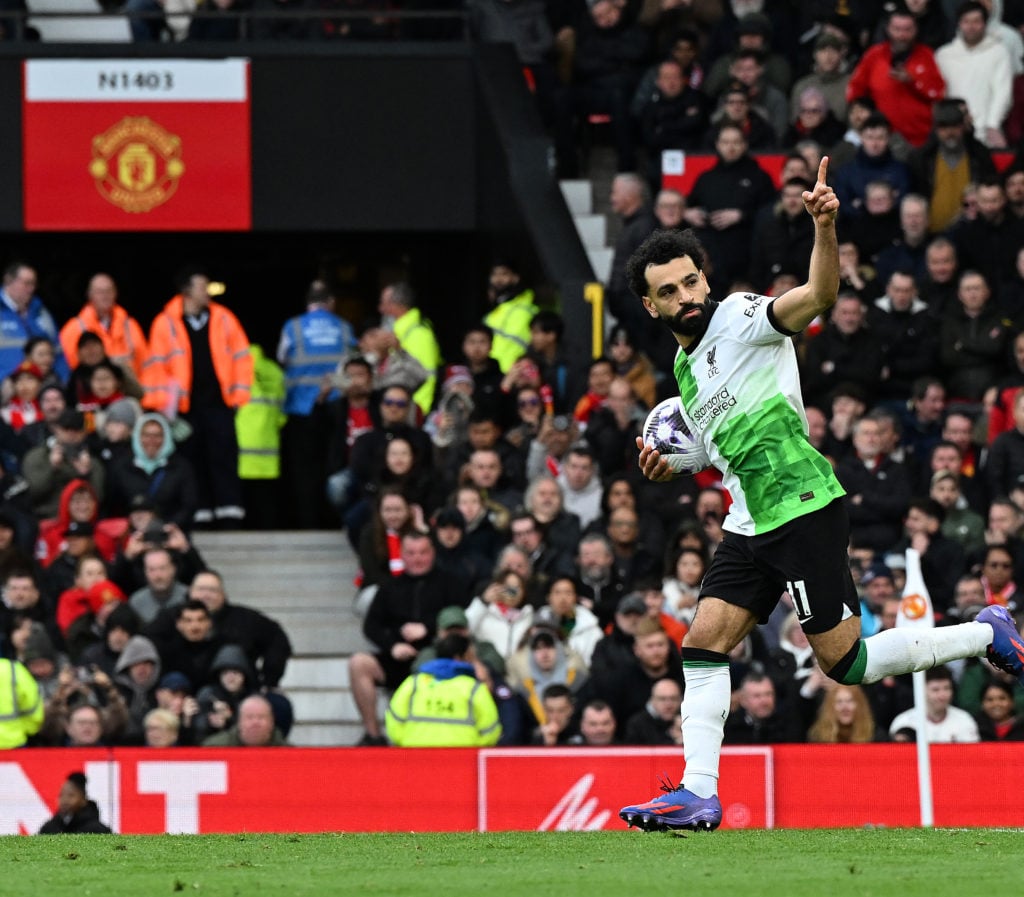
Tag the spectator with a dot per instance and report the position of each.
(76, 813)
(146, 531)
(261, 638)
(557, 704)
(549, 357)
(634, 367)
(961, 524)
(544, 660)
(724, 202)
(828, 74)
(844, 718)
(939, 285)
(576, 625)
(597, 725)
(968, 599)
(82, 603)
(873, 161)
(845, 352)
(21, 706)
(499, 615)
(581, 484)
(544, 500)
(157, 471)
(813, 120)
(757, 719)
(454, 556)
(989, 243)
(162, 589)
(907, 253)
(255, 727)
(52, 404)
(998, 720)
(945, 723)
(976, 66)
(174, 695)
(22, 408)
(186, 640)
(78, 504)
(997, 577)
(627, 689)
(380, 543)
(136, 675)
(921, 424)
(908, 335)
(123, 340)
(767, 101)
(119, 626)
(855, 278)
(783, 236)
(972, 341)
(548, 450)
(351, 417)
(600, 375)
(400, 622)
(901, 76)
(658, 722)
(310, 349)
(84, 712)
(942, 559)
(200, 369)
(546, 561)
(233, 680)
(444, 705)
(405, 330)
(681, 584)
(1005, 464)
(877, 489)
(23, 316)
(601, 588)
(50, 467)
(161, 728)
(672, 116)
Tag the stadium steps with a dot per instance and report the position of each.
(304, 581)
(77, 29)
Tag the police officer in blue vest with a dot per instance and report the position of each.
(311, 347)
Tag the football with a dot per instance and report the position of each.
(666, 431)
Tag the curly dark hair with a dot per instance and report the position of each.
(658, 249)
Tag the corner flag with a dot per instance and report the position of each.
(916, 613)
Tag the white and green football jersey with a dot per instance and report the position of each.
(740, 390)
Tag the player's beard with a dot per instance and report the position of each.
(689, 326)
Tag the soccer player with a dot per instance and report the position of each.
(787, 527)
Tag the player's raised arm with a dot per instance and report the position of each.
(796, 308)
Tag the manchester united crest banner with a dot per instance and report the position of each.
(129, 145)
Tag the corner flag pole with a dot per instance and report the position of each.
(916, 612)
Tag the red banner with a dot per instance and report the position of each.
(387, 789)
(137, 145)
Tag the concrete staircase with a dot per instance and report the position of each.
(304, 581)
(592, 226)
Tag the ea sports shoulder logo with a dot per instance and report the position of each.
(136, 164)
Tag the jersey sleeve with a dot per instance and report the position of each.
(751, 320)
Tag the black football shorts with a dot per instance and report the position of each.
(806, 557)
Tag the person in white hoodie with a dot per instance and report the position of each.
(578, 625)
(500, 615)
(978, 68)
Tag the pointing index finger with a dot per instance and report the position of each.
(822, 169)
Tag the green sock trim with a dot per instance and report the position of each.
(702, 664)
(855, 675)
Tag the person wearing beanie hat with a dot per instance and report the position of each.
(120, 625)
(76, 813)
(43, 660)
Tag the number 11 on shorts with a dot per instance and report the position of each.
(798, 592)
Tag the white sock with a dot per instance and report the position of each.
(897, 651)
(705, 707)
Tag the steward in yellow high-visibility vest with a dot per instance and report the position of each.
(258, 424)
(444, 705)
(510, 318)
(21, 705)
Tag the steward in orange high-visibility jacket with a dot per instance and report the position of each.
(167, 373)
(123, 339)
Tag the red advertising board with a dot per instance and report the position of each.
(351, 789)
(129, 145)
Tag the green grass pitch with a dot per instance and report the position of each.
(831, 863)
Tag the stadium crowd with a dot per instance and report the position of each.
(521, 581)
